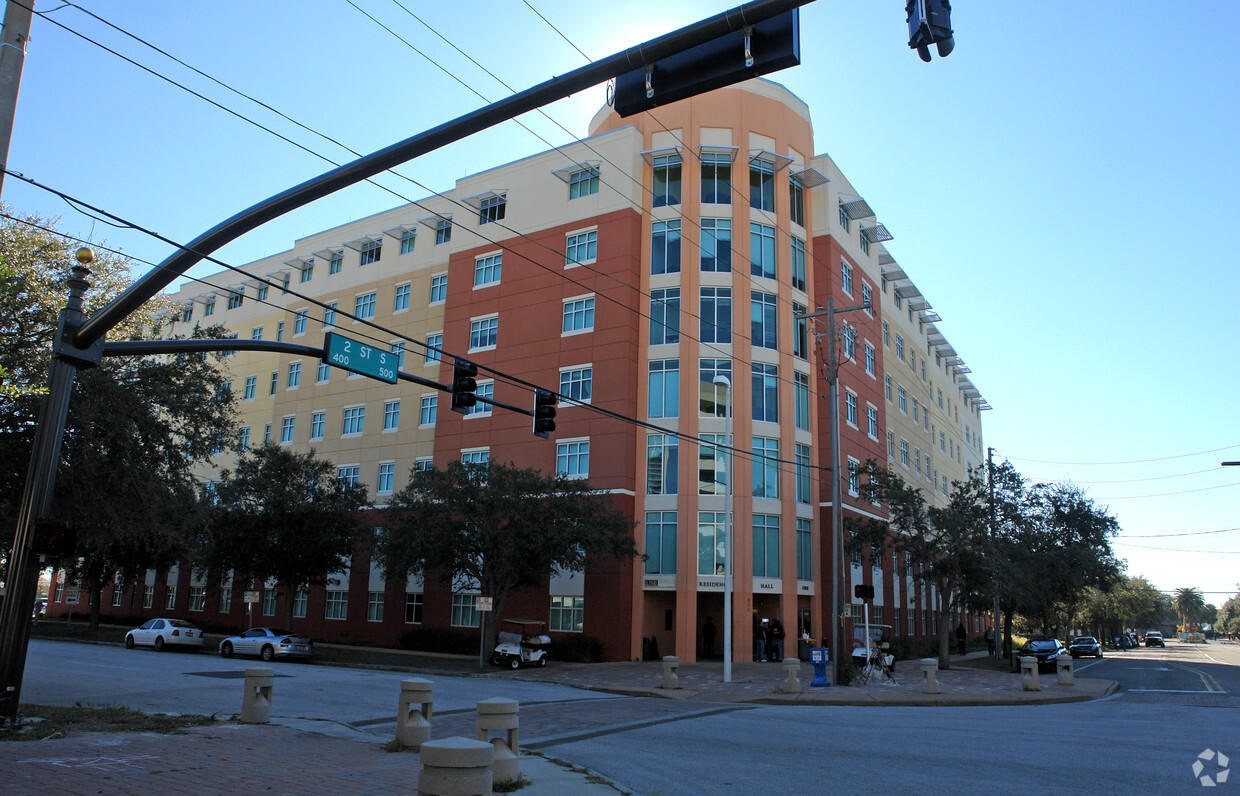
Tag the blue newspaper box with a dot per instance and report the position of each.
(820, 657)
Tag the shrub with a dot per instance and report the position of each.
(577, 648)
(440, 639)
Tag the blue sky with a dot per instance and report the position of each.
(1062, 188)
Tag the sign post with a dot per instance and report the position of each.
(483, 606)
(251, 597)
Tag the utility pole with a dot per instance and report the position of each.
(837, 513)
(994, 572)
(12, 58)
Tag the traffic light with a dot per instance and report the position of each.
(863, 591)
(930, 22)
(544, 412)
(54, 539)
(464, 385)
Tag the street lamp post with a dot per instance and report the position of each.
(726, 383)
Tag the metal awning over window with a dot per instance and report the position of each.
(855, 207)
(778, 161)
(885, 258)
(356, 245)
(650, 155)
(434, 221)
(919, 305)
(908, 291)
(875, 233)
(931, 316)
(327, 254)
(894, 274)
(809, 176)
(399, 232)
(567, 172)
(476, 200)
(298, 263)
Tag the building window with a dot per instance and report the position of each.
(329, 314)
(480, 456)
(762, 250)
(581, 248)
(763, 327)
(491, 209)
(766, 545)
(796, 200)
(413, 608)
(407, 239)
(662, 462)
(712, 464)
(427, 410)
(391, 415)
(434, 342)
(886, 335)
(374, 606)
(578, 315)
(765, 393)
(716, 245)
(197, 598)
(712, 542)
(869, 359)
(871, 422)
(865, 244)
(665, 247)
(800, 332)
(244, 441)
(294, 375)
(187, 313)
(805, 549)
(370, 250)
(487, 269)
(716, 178)
(803, 481)
(324, 373)
(904, 452)
(464, 612)
(316, 425)
(572, 458)
(269, 602)
(287, 429)
(798, 264)
(666, 180)
(256, 333)
(148, 594)
(398, 348)
(225, 606)
(887, 383)
(567, 614)
(354, 420)
(765, 467)
(712, 398)
(663, 394)
(483, 333)
(867, 298)
(800, 400)
(762, 184)
(583, 182)
(664, 315)
(850, 408)
(891, 444)
(280, 332)
(267, 434)
(307, 270)
(903, 400)
(335, 263)
(364, 306)
(439, 288)
(387, 477)
(443, 231)
(337, 604)
(846, 277)
(402, 298)
(575, 384)
(716, 314)
(348, 474)
(299, 321)
(660, 543)
(486, 389)
(251, 383)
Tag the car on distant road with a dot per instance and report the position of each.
(268, 643)
(1154, 639)
(1085, 645)
(163, 633)
(1046, 650)
(40, 608)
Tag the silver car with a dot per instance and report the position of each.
(268, 643)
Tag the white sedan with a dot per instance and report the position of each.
(161, 633)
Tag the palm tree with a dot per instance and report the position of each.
(1188, 603)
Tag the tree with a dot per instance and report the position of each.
(1189, 605)
(1130, 602)
(498, 528)
(1227, 620)
(136, 425)
(946, 547)
(280, 515)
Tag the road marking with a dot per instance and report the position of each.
(104, 666)
(1210, 683)
(1168, 691)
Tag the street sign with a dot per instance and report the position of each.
(251, 596)
(355, 357)
(483, 603)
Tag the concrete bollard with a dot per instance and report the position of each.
(670, 665)
(930, 675)
(413, 712)
(1029, 674)
(1065, 666)
(256, 701)
(456, 767)
(790, 684)
(500, 715)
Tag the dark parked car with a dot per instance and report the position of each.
(1045, 650)
(1085, 645)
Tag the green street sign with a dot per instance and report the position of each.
(360, 358)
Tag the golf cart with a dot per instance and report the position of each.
(520, 641)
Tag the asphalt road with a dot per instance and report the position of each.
(1174, 705)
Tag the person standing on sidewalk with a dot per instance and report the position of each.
(777, 640)
(961, 635)
(990, 640)
(759, 641)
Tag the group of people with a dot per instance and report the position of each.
(768, 639)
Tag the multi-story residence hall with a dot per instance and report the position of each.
(641, 270)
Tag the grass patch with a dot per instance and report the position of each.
(510, 785)
(47, 722)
